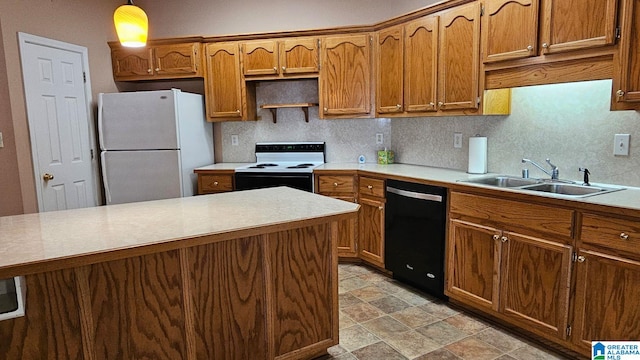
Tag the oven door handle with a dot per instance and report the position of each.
(414, 195)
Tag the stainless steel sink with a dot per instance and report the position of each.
(549, 186)
(504, 181)
(570, 189)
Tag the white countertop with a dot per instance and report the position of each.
(41, 237)
(221, 166)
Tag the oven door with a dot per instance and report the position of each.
(257, 180)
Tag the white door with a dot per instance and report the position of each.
(58, 114)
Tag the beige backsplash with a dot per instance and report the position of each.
(569, 123)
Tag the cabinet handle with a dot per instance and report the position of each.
(432, 104)
(215, 183)
(581, 258)
(325, 109)
(620, 93)
(335, 184)
(398, 106)
(284, 68)
(496, 236)
(440, 104)
(624, 236)
(157, 69)
(504, 239)
(380, 208)
(149, 71)
(529, 48)
(545, 45)
(275, 68)
(238, 111)
(369, 187)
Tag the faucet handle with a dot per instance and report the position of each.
(550, 164)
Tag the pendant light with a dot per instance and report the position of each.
(131, 24)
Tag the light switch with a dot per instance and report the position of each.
(234, 140)
(621, 144)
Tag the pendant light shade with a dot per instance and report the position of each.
(132, 25)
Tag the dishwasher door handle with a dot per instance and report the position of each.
(415, 195)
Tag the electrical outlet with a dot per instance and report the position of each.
(379, 138)
(621, 144)
(234, 140)
(457, 140)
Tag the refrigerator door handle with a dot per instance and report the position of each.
(107, 193)
(100, 128)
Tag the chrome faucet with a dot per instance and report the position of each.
(554, 169)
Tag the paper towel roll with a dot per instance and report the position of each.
(477, 155)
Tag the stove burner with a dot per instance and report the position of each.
(299, 166)
(262, 166)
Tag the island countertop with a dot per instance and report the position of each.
(32, 242)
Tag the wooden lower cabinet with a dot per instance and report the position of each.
(607, 293)
(214, 183)
(371, 231)
(342, 185)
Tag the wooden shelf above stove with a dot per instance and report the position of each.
(274, 109)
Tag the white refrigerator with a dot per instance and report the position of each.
(150, 142)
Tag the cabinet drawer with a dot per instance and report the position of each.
(614, 233)
(335, 184)
(215, 183)
(371, 187)
(514, 214)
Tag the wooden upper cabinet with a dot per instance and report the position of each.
(577, 24)
(626, 81)
(223, 88)
(260, 57)
(168, 61)
(286, 57)
(459, 61)
(345, 79)
(299, 56)
(500, 41)
(421, 64)
(390, 70)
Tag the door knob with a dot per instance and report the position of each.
(47, 177)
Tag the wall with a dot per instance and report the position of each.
(11, 198)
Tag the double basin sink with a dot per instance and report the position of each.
(547, 186)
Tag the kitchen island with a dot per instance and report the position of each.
(241, 275)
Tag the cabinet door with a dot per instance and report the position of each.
(607, 294)
(627, 75)
(132, 63)
(347, 234)
(178, 60)
(299, 56)
(499, 40)
(535, 283)
(346, 75)
(224, 84)
(389, 70)
(577, 24)
(260, 58)
(459, 58)
(421, 64)
(371, 235)
(473, 264)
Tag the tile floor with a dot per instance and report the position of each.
(382, 319)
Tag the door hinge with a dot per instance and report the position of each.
(568, 330)
(574, 257)
(482, 10)
(84, 77)
(617, 33)
(478, 100)
(92, 154)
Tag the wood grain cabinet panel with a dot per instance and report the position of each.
(299, 56)
(499, 40)
(535, 283)
(473, 264)
(212, 184)
(178, 60)
(577, 24)
(626, 79)
(371, 231)
(342, 187)
(157, 62)
(227, 95)
(131, 63)
(611, 233)
(345, 79)
(260, 58)
(390, 70)
(607, 294)
(421, 64)
(280, 58)
(228, 294)
(459, 61)
(50, 297)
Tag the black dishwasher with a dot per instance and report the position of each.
(415, 221)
